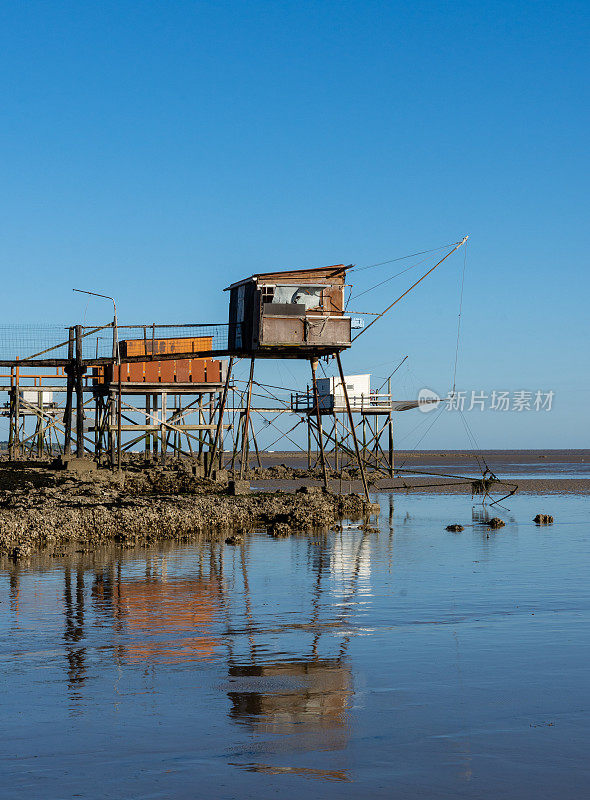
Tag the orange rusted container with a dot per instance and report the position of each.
(143, 347)
(197, 370)
(212, 371)
(136, 371)
(182, 370)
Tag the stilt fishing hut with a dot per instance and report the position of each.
(289, 314)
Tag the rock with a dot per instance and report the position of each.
(238, 487)
(280, 530)
(543, 519)
(220, 475)
(20, 551)
(496, 522)
(78, 465)
(456, 528)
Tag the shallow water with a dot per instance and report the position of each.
(409, 663)
(545, 470)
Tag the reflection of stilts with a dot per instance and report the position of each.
(74, 629)
(306, 697)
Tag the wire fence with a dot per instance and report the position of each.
(23, 341)
(46, 342)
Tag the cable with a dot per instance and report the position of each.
(436, 418)
(459, 320)
(401, 258)
(413, 286)
(376, 286)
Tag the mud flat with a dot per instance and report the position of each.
(44, 508)
(499, 460)
(424, 485)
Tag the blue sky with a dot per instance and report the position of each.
(159, 151)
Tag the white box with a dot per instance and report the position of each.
(357, 386)
(32, 396)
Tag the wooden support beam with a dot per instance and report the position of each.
(316, 399)
(244, 455)
(79, 395)
(352, 428)
(69, 394)
(219, 429)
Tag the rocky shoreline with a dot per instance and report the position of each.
(45, 508)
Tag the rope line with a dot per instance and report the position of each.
(381, 283)
(402, 258)
(459, 320)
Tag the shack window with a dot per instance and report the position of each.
(308, 296)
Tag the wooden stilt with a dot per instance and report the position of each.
(243, 460)
(390, 431)
(219, 429)
(316, 402)
(119, 411)
(353, 431)
(148, 420)
(163, 430)
(200, 421)
(255, 444)
(79, 395)
(155, 413)
(16, 442)
(11, 417)
(112, 423)
(308, 442)
(39, 426)
(69, 393)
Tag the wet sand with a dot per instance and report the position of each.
(423, 485)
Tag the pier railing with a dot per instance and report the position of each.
(51, 345)
(303, 402)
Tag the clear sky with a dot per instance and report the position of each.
(158, 151)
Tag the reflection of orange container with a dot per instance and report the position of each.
(143, 347)
(169, 622)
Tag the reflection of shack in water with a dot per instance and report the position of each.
(308, 698)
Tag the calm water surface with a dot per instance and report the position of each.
(409, 663)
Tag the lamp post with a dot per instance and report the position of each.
(117, 358)
(116, 354)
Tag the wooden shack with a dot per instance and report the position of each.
(294, 313)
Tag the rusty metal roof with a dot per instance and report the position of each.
(326, 272)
